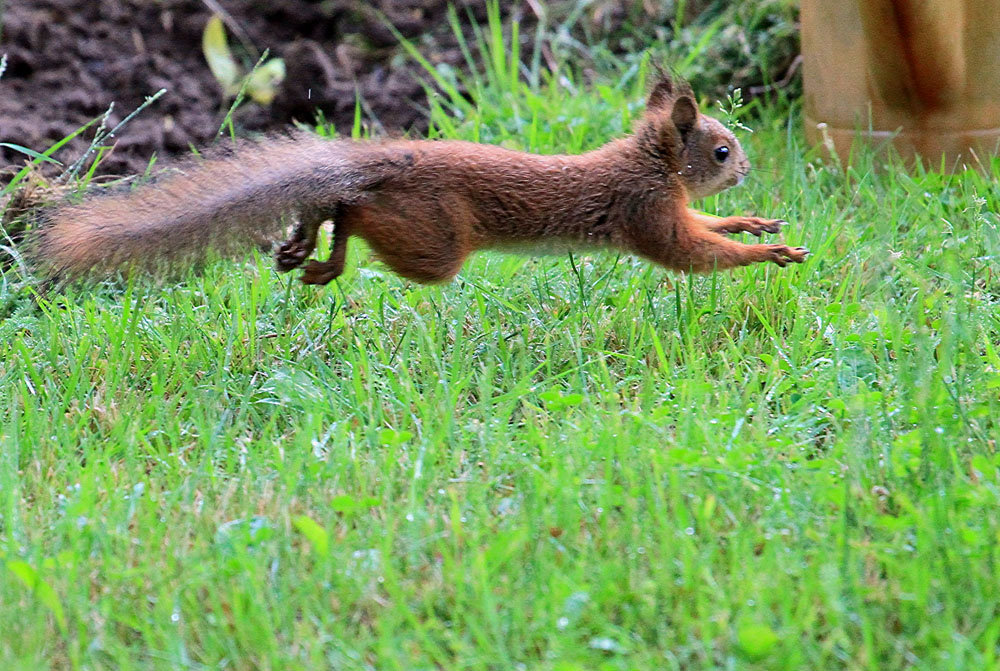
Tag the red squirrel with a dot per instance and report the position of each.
(423, 205)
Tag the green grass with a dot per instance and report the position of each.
(547, 464)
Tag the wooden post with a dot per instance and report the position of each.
(920, 75)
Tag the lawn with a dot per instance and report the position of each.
(552, 463)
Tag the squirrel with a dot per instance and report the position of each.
(424, 205)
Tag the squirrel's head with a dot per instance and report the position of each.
(702, 152)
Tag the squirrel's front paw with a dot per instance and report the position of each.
(290, 254)
(754, 225)
(782, 254)
(318, 272)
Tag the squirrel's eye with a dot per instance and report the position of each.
(721, 153)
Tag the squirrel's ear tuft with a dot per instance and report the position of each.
(666, 90)
(662, 94)
(684, 115)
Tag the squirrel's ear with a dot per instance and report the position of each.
(661, 94)
(684, 115)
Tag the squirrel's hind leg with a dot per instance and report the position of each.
(293, 252)
(323, 272)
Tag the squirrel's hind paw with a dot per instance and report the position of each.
(319, 272)
(289, 255)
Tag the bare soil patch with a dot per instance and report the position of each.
(69, 60)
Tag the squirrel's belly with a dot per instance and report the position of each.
(552, 246)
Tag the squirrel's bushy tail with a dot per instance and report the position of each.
(223, 204)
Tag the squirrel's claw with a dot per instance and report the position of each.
(770, 225)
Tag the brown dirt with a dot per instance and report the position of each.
(69, 60)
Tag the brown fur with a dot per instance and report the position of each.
(424, 206)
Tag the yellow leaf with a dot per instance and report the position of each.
(220, 59)
(264, 81)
